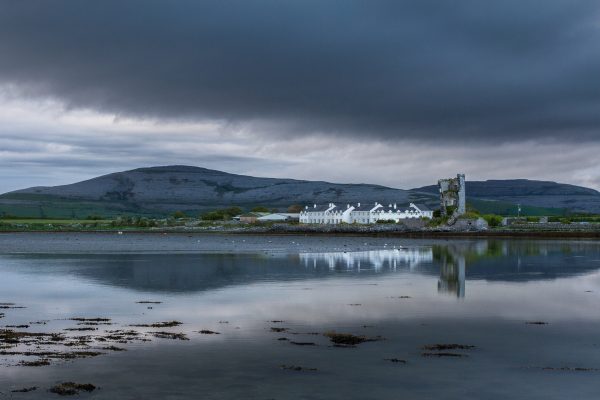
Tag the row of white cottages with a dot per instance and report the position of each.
(361, 214)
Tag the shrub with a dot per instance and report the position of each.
(470, 215)
(143, 222)
(493, 220)
(179, 214)
(437, 221)
(10, 216)
(260, 209)
(212, 216)
(295, 208)
(221, 214)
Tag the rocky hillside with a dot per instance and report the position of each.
(531, 193)
(162, 190)
(159, 191)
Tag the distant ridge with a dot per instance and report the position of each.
(532, 193)
(161, 190)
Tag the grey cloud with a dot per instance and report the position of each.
(389, 69)
(100, 150)
(64, 154)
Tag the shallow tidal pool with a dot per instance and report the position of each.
(368, 319)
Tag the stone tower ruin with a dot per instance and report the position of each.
(453, 196)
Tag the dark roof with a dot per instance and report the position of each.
(422, 207)
(400, 207)
(363, 206)
(319, 208)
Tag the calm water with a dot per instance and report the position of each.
(478, 293)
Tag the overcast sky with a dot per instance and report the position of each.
(398, 92)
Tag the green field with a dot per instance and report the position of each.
(34, 221)
(510, 209)
(43, 209)
(51, 207)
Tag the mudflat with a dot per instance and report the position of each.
(127, 242)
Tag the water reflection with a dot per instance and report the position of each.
(378, 260)
(452, 262)
(403, 294)
(452, 275)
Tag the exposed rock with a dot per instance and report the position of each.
(297, 368)
(443, 354)
(37, 363)
(90, 319)
(168, 324)
(72, 388)
(450, 346)
(170, 335)
(348, 339)
(395, 360)
(24, 390)
(575, 369)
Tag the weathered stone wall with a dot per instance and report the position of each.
(453, 194)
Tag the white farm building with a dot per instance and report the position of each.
(361, 213)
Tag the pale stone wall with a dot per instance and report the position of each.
(453, 193)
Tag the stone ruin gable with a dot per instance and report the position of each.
(452, 194)
(449, 189)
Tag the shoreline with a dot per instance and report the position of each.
(558, 234)
(265, 244)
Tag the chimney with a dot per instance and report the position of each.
(359, 204)
(347, 205)
(394, 206)
(314, 206)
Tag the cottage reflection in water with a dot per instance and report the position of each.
(377, 260)
(451, 263)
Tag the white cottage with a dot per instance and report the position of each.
(327, 214)
(393, 213)
(361, 213)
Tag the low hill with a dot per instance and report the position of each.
(544, 194)
(162, 190)
(159, 191)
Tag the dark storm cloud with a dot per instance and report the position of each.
(392, 69)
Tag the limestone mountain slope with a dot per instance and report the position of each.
(158, 191)
(531, 193)
(161, 190)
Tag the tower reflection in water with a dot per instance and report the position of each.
(451, 263)
(452, 275)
